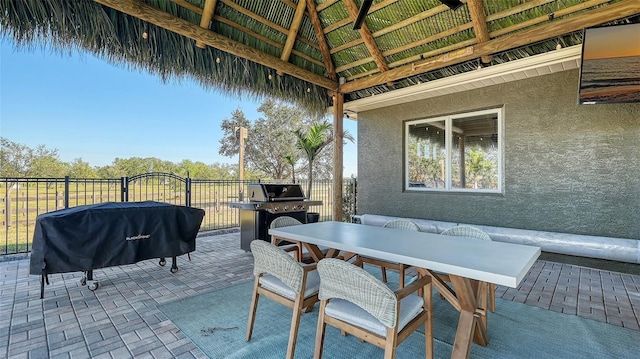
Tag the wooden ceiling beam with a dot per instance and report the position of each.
(185, 28)
(188, 6)
(322, 41)
(479, 21)
(552, 29)
(338, 24)
(293, 31)
(205, 20)
(325, 5)
(369, 41)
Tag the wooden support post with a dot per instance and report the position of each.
(242, 134)
(7, 212)
(338, 101)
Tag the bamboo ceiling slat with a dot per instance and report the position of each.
(265, 21)
(265, 39)
(545, 18)
(418, 43)
(416, 58)
(421, 16)
(517, 9)
(549, 30)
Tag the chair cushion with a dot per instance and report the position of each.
(305, 251)
(348, 312)
(276, 285)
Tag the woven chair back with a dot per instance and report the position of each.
(270, 259)
(343, 280)
(467, 231)
(402, 224)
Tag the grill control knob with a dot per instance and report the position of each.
(286, 208)
(275, 208)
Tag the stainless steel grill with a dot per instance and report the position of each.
(268, 202)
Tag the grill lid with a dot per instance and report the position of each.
(271, 192)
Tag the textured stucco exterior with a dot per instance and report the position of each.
(568, 168)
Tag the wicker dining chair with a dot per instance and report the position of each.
(357, 303)
(295, 248)
(473, 232)
(281, 278)
(300, 252)
(401, 268)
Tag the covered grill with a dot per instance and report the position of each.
(268, 202)
(96, 236)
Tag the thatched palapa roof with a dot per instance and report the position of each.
(303, 50)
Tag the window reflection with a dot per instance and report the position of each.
(474, 159)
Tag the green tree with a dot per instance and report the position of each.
(137, 165)
(269, 140)
(110, 171)
(312, 142)
(18, 160)
(291, 161)
(479, 169)
(81, 169)
(48, 166)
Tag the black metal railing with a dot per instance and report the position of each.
(23, 199)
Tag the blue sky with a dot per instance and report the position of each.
(87, 108)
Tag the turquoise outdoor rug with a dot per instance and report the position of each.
(216, 322)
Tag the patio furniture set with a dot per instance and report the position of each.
(323, 262)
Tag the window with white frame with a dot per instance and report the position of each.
(461, 152)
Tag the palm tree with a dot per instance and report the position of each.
(291, 160)
(313, 141)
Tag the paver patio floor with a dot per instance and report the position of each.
(121, 320)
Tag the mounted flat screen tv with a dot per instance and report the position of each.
(610, 70)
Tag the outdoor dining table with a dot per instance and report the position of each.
(470, 264)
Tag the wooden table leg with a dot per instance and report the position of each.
(314, 251)
(471, 327)
(442, 287)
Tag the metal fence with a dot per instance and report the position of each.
(23, 199)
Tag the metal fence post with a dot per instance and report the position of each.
(7, 208)
(124, 193)
(187, 186)
(354, 198)
(66, 191)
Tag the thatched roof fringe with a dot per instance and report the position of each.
(118, 38)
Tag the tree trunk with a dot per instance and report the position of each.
(310, 181)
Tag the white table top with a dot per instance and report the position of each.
(494, 262)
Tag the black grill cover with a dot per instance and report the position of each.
(84, 238)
